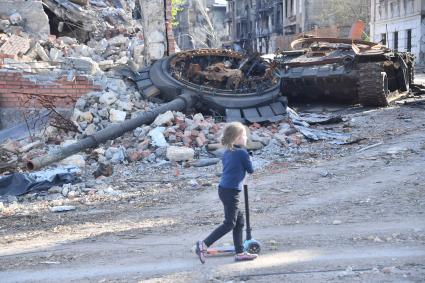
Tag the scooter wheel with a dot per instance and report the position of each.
(254, 248)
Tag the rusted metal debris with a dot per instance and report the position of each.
(216, 75)
(236, 86)
(309, 40)
(28, 101)
(222, 69)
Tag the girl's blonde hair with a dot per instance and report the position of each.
(231, 133)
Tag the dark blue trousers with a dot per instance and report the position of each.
(233, 219)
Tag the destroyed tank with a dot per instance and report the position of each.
(226, 83)
(344, 71)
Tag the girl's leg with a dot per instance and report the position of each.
(230, 200)
(238, 233)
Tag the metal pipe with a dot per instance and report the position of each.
(181, 103)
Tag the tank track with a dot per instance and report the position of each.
(370, 87)
(412, 73)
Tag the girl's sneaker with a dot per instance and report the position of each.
(201, 250)
(245, 256)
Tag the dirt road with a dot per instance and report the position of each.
(352, 213)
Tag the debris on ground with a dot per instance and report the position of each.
(18, 184)
(62, 208)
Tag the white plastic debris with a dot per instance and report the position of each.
(157, 136)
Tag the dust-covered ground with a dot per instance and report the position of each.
(326, 213)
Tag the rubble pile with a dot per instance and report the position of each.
(102, 34)
(173, 139)
(176, 137)
(173, 142)
(118, 101)
(173, 136)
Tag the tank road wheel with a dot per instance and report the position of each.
(372, 87)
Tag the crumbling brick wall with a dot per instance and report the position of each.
(14, 86)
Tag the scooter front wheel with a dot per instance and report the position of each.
(253, 248)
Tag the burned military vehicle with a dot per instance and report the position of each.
(226, 83)
(222, 82)
(344, 70)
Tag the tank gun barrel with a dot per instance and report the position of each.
(181, 103)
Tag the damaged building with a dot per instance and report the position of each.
(200, 24)
(255, 25)
(58, 51)
(265, 25)
(322, 18)
(400, 25)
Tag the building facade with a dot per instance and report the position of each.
(328, 18)
(400, 25)
(265, 25)
(255, 25)
(201, 24)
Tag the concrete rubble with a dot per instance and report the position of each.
(99, 30)
(174, 138)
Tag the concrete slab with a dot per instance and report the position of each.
(36, 21)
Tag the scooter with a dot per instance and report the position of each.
(250, 245)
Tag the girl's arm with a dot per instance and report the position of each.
(246, 161)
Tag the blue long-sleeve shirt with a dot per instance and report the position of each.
(236, 163)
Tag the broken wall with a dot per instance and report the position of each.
(16, 86)
(201, 24)
(154, 28)
(31, 13)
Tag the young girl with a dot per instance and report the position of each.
(236, 163)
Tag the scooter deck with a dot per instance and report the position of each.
(225, 250)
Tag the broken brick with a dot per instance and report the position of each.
(16, 45)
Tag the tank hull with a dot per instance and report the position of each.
(332, 70)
